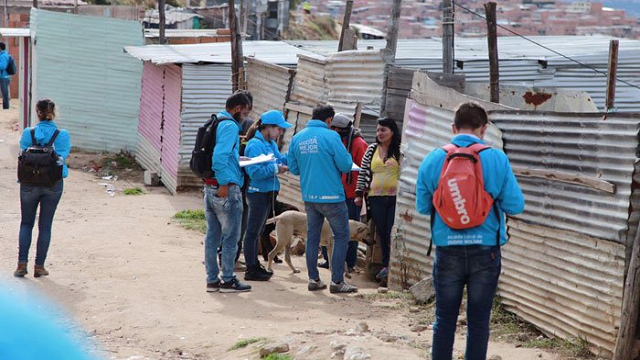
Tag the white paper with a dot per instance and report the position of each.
(355, 167)
(257, 160)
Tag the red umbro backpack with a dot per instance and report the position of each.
(460, 199)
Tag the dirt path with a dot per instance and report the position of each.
(133, 281)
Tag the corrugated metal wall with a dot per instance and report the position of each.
(159, 126)
(356, 76)
(567, 284)
(269, 84)
(171, 126)
(150, 118)
(582, 144)
(79, 63)
(205, 89)
(310, 84)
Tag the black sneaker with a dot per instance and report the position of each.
(324, 265)
(213, 287)
(276, 260)
(255, 274)
(263, 270)
(234, 286)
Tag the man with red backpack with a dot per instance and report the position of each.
(466, 187)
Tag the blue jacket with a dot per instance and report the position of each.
(226, 158)
(319, 157)
(44, 131)
(263, 176)
(4, 63)
(499, 182)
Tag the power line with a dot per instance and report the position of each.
(547, 48)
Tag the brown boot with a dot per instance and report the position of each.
(21, 270)
(39, 270)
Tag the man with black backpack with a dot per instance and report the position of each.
(7, 68)
(466, 187)
(216, 159)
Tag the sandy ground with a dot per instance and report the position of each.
(133, 282)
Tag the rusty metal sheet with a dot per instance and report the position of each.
(269, 84)
(574, 143)
(567, 284)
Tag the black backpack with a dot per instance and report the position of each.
(200, 162)
(11, 66)
(39, 165)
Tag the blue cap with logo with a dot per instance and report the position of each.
(274, 117)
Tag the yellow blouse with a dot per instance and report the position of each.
(385, 175)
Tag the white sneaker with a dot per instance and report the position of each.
(315, 285)
(342, 287)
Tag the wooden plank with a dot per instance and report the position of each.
(299, 108)
(400, 78)
(625, 343)
(566, 177)
(428, 92)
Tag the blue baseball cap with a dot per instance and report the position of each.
(275, 117)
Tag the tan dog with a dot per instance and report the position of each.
(291, 223)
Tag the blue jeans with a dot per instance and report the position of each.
(383, 213)
(477, 267)
(352, 249)
(338, 218)
(224, 218)
(259, 210)
(4, 87)
(48, 199)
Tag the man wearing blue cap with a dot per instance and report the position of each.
(263, 187)
(318, 156)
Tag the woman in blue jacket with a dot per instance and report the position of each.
(263, 186)
(46, 197)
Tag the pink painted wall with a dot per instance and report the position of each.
(151, 105)
(172, 107)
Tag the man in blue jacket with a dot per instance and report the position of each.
(223, 199)
(5, 78)
(470, 256)
(319, 157)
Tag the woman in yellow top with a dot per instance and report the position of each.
(378, 180)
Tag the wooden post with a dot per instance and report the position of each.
(357, 116)
(245, 17)
(447, 36)
(345, 24)
(237, 76)
(161, 21)
(630, 304)
(492, 38)
(389, 52)
(613, 71)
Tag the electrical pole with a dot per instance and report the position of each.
(345, 24)
(494, 62)
(447, 37)
(161, 21)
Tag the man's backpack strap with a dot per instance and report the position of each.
(33, 137)
(53, 138)
(499, 218)
(433, 221)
